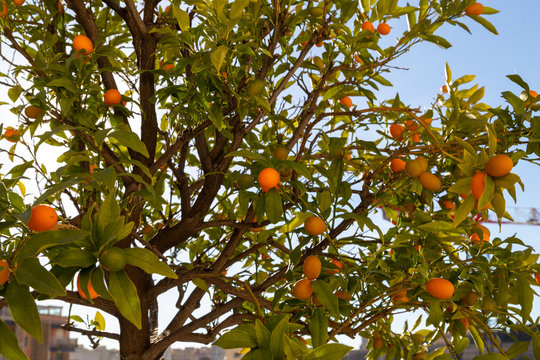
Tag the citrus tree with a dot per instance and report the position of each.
(239, 169)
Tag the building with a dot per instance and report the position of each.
(100, 353)
(57, 345)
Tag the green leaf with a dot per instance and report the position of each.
(435, 314)
(491, 356)
(57, 188)
(97, 279)
(487, 195)
(262, 334)
(74, 257)
(259, 354)
(437, 40)
(47, 239)
(218, 56)
(536, 346)
(125, 297)
(477, 339)
(182, 17)
(9, 346)
(318, 328)
(274, 208)
(130, 140)
(24, 310)
(148, 262)
(31, 273)
(518, 80)
(464, 210)
(238, 7)
(326, 296)
(15, 92)
(100, 320)
(243, 336)
(517, 349)
(328, 352)
(276, 338)
(200, 283)
(525, 295)
(293, 347)
(462, 186)
(485, 23)
(63, 82)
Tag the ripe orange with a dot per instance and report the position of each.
(268, 178)
(112, 97)
(346, 101)
(93, 294)
(4, 11)
(314, 225)
(368, 26)
(429, 181)
(533, 93)
(411, 125)
(11, 134)
(281, 152)
(397, 165)
(396, 131)
(32, 112)
(42, 218)
(478, 184)
(475, 239)
(302, 289)
(537, 278)
(440, 288)
(448, 204)
(378, 343)
(82, 42)
(4, 272)
(499, 165)
(465, 323)
(343, 295)
(383, 29)
(320, 44)
(475, 9)
(444, 89)
(416, 137)
(168, 67)
(18, 2)
(357, 58)
(338, 264)
(312, 267)
(256, 229)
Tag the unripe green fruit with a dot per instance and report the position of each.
(113, 259)
(255, 88)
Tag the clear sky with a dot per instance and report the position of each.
(491, 58)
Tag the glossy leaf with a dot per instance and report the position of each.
(125, 297)
(147, 261)
(24, 310)
(9, 346)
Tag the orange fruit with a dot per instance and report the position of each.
(320, 44)
(4, 272)
(32, 112)
(4, 11)
(533, 93)
(256, 229)
(303, 44)
(378, 343)
(475, 9)
(397, 165)
(112, 97)
(302, 289)
(475, 239)
(268, 178)
(444, 89)
(465, 323)
(396, 131)
(478, 184)
(84, 44)
(314, 225)
(343, 295)
(448, 204)
(93, 294)
(113, 259)
(18, 2)
(338, 264)
(414, 168)
(411, 125)
(368, 26)
(383, 29)
(416, 137)
(11, 134)
(168, 67)
(470, 299)
(346, 101)
(281, 152)
(499, 165)
(312, 267)
(147, 229)
(429, 181)
(537, 278)
(357, 58)
(42, 218)
(440, 288)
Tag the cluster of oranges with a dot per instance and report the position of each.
(417, 168)
(303, 289)
(397, 131)
(382, 28)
